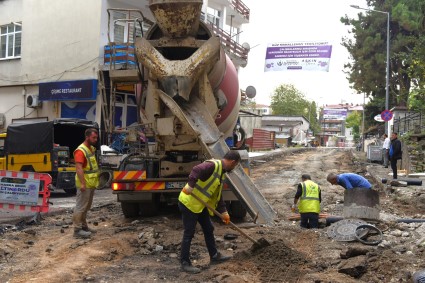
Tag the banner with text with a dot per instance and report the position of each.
(292, 56)
(335, 114)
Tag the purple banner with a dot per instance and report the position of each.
(311, 56)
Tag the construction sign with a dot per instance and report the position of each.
(21, 191)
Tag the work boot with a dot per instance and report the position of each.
(189, 268)
(87, 229)
(219, 258)
(81, 234)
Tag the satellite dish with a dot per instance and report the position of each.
(246, 46)
(250, 91)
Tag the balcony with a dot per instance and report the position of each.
(234, 50)
(241, 8)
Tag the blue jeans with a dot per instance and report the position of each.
(309, 220)
(189, 223)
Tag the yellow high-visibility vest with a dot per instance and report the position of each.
(309, 200)
(209, 191)
(91, 170)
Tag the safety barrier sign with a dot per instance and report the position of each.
(21, 191)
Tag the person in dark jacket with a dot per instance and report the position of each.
(206, 182)
(394, 153)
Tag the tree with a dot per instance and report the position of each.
(367, 71)
(353, 121)
(287, 100)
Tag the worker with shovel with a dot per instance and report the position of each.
(310, 197)
(205, 184)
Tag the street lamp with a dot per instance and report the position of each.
(387, 83)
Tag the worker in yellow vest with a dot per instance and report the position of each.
(206, 182)
(86, 181)
(309, 194)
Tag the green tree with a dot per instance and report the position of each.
(287, 100)
(353, 121)
(367, 71)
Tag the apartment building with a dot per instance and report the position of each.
(332, 121)
(55, 55)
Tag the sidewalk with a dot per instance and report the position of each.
(378, 172)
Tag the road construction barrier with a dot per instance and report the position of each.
(21, 191)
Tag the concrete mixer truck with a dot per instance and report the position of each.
(188, 105)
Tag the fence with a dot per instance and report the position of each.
(409, 122)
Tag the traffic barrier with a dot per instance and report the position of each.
(21, 191)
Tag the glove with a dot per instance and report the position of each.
(226, 217)
(293, 208)
(187, 189)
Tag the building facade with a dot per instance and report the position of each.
(333, 129)
(52, 53)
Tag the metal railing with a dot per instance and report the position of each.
(409, 122)
(242, 9)
(228, 43)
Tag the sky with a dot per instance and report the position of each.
(274, 21)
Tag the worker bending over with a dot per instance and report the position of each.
(206, 182)
(349, 181)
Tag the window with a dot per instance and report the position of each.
(10, 41)
(213, 16)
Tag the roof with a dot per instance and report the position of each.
(281, 123)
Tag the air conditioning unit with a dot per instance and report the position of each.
(32, 101)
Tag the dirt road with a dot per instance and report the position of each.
(147, 249)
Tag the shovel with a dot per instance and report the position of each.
(257, 244)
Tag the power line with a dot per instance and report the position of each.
(71, 70)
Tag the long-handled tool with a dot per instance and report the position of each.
(261, 243)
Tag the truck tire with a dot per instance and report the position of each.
(130, 209)
(237, 210)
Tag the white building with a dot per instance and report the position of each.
(294, 128)
(51, 53)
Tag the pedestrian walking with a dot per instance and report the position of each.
(309, 194)
(349, 181)
(86, 181)
(386, 149)
(395, 153)
(206, 182)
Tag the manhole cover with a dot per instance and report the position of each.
(344, 230)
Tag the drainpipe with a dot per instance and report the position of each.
(24, 95)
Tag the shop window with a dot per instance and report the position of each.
(10, 41)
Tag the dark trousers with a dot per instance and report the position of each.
(309, 220)
(189, 223)
(394, 167)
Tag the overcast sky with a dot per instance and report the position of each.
(273, 21)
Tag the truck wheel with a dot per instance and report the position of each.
(71, 192)
(130, 209)
(237, 210)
